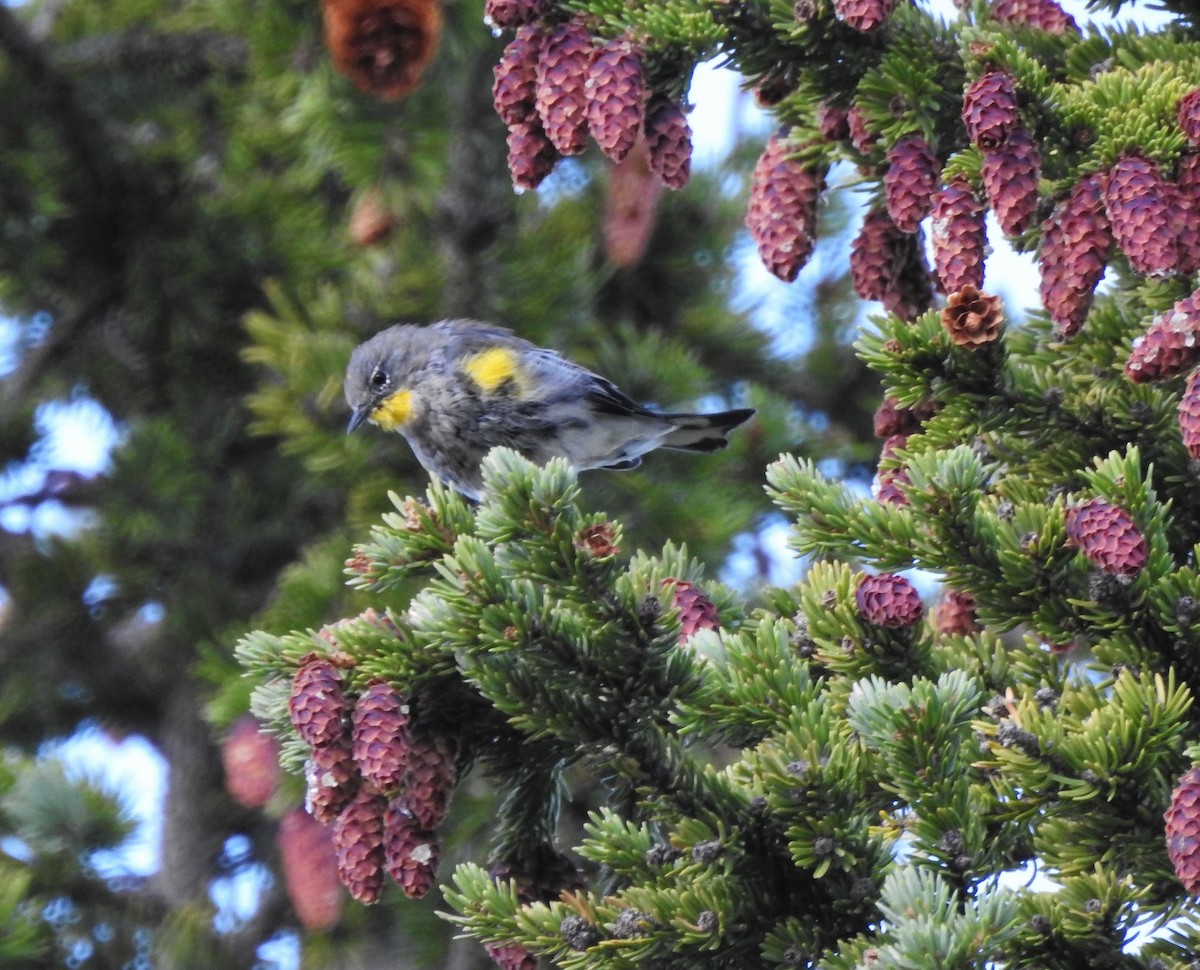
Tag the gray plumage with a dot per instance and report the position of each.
(458, 388)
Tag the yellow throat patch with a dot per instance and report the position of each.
(394, 411)
(493, 368)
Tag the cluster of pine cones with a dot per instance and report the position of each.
(553, 87)
(380, 780)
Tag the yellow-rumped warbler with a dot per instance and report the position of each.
(458, 388)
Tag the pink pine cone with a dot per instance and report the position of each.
(332, 780)
(888, 600)
(910, 181)
(515, 87)
(669, 139)
(958, 237)
(1182, 830)
(1171, 345)
(1144, 213)
(251, 762)
(990, 110)
(863, 15)
(1046, 15)
(317, 705)
(380, 736)
(1187, 196)
(782, 211)
(510, 14)
(358, 844)
(309, 867)
(617, 105)
(1010, 178)
(531, 156)
(1076, 242)
(563, 66)
(1189, 115)
(1189, 415)
(1107, 535)
(411, 853)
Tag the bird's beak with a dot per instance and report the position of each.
(359, 416)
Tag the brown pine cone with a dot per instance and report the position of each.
(958, 237)
(382, 46)
(630, 207)
(990, 111)
(973, 318)
(892, 419)
(1144, 214)
(514, 92)
(511, 14)
(429, 778)
(561, 77)
(616, 110)
(317, 704)
(1188, 114)
(955, 614)
(909, 292)
(696, 611)
(862, 136)
(871, 255)
(1010, 178)
(1187, 196)
(358, 844)
(782, 211)
(834, 122)
(669, 139)
(1076, 242)
(511, 956)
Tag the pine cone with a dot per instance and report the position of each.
(696, 611)
(531, 156)
(317, 704)
(511, 14)
(834, 122)
(909, 292)
(990, 111)
(957, 233)
(332, 780)
(358, 843)
(669, 139)
(429, 778)
(1189, 415)
(511, 956)
(371, 219)
(1171, 345)
(563, 65)
(972, 318)
(1010, 178)
(251, 762)
(888, 489)
(955, 614)
(411, 853)
(1144, 214)
(1189, 115)
(1108, 537)
(383, 46)
(1045, 15)
(1076, 241)
(514, 92)
(888, 600)
(380, 735)
(872, 253)
(863, 15)
(616, 110)
(309, 867)
(630, 207)
(782, 211)
(1187, 196)
(910, 181)
(1182, 819)
(892, 419)
(862, 136)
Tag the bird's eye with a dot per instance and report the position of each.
(379, 379)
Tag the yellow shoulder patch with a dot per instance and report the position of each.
(493, 368)
(394, 411)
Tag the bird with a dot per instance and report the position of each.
(458, 388)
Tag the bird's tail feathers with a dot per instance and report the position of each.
(704, 432)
